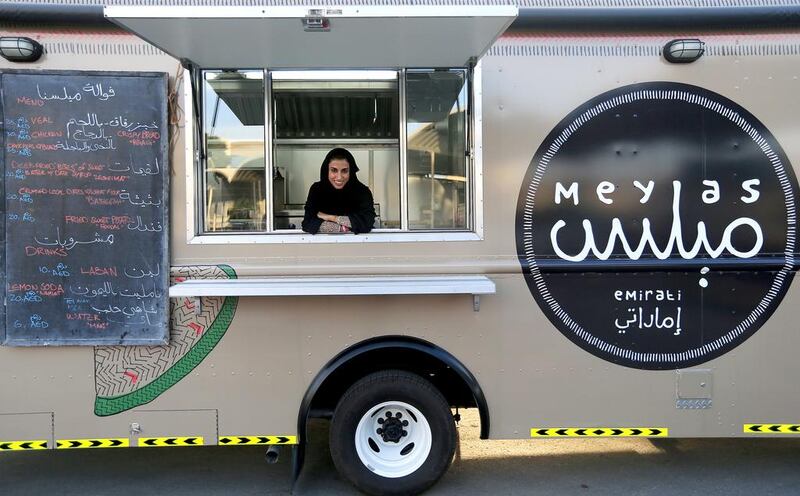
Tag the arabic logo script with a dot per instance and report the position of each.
(656, 225)
(647, 240)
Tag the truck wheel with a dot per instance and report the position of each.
(392, 434)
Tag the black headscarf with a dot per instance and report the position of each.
(354, 200)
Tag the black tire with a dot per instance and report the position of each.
(362, 398)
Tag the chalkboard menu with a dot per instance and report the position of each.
(85, 172)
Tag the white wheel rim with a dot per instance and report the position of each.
(387, 452)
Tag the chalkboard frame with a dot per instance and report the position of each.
(164, 155)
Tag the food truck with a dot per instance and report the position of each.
(585, 225)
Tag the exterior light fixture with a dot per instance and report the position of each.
(20, 49)
(684, 51)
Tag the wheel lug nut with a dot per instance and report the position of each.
(388, 414)
(381, 421)
(399, 415)
(405, 433)
(379, 431)
(405, 423)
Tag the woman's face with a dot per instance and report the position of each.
(338, 172)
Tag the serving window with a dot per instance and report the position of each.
(415, 133)
(265, 134)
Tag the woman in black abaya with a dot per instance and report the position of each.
(338, 202)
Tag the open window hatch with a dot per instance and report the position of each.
(276, 88)
(312, 37)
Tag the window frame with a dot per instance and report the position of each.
(203, 154)
(334, 75)
(195, 175)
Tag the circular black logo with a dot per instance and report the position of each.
(656, 225)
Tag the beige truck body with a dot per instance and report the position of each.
(267, 351)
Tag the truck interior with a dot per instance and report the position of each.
(314, 111)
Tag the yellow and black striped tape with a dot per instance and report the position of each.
(163, 442)
(154, 442)
(38, 444)
(92, 443)
(772, 428)
(256, 440)
(600, 432)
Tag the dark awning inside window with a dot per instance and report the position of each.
(308, 37)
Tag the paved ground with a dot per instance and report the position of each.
(590, 467)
